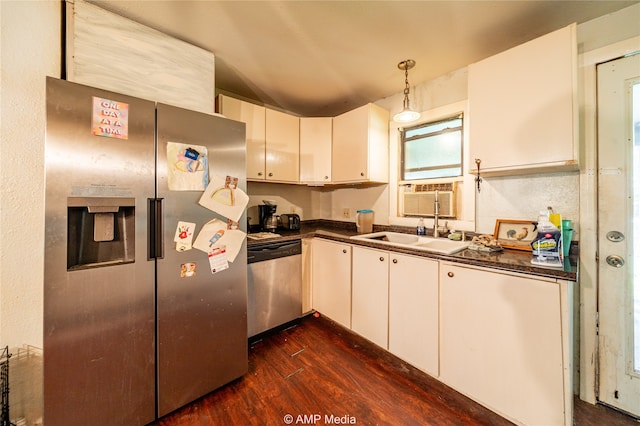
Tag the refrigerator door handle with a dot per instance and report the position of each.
(156, 237)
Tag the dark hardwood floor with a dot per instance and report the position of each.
(318, 368)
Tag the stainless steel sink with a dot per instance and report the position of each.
(398, 239)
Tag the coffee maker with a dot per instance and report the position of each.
(268, 217)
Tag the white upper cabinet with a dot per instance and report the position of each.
(282, 147)
(523, 107)
(360, 150)
(315, 149)
(254, 117)
(350, 148)
(273, 140)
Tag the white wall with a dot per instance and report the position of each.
(288, 198)
(30, 41)
(375, 197)
(523, 197)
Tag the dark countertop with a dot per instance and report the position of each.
(506, 260)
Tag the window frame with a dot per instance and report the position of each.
(403, 140)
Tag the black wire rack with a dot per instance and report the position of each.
(4, 386)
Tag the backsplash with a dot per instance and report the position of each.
(523, 197)
(288, 198)
(328, 202)
(511, 197)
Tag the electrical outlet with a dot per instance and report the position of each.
(346, 213)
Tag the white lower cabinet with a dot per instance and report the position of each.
(370, 294)
(501, 343)
(395, 304)
(503, 339)
(331, 280)
(413, 311)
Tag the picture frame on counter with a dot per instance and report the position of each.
(515, 234)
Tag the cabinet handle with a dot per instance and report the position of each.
(344, 250)
(270, 174)
(395, 260)
(450, 274)
(381, 259)
(362, 174)
(326, 177)
(259, 173)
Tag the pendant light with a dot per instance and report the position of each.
(407, 115)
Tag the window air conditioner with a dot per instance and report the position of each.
(420, 200)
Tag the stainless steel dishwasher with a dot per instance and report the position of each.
(275, 285)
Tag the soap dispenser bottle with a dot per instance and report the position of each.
(421, 229)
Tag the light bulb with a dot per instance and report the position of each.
(406, 116)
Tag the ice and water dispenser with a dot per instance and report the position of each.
(101, 231)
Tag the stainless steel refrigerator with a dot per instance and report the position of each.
(128, 335)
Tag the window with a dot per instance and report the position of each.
(432, 150)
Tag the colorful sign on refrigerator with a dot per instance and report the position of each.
(110, 118)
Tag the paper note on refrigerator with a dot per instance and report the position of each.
(187, 167)
(218, 260)
(184, 235)
(214, 234)
(225, 198)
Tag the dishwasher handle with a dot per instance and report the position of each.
(274, 250)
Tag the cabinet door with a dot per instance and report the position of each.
(360, 151)
(254, 118)
(315, 149)
(350, 154)
(282, 146)
(331, 280)
(370, 294)
(522, 106)
(501, 343)
(413, 311)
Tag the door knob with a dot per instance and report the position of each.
(615, 236)
(615, 261)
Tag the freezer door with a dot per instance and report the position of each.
(99, 307)
(201, 317)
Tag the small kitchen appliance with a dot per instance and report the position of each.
(267, 216)
(290, 221)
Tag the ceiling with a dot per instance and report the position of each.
(322, 58)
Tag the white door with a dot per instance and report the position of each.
(619, 233)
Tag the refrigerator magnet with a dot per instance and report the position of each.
(215, 234)
(218, 260)
(188, 167)
(110, 118)
(188, 270)
(184, 235)
(222, 196)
